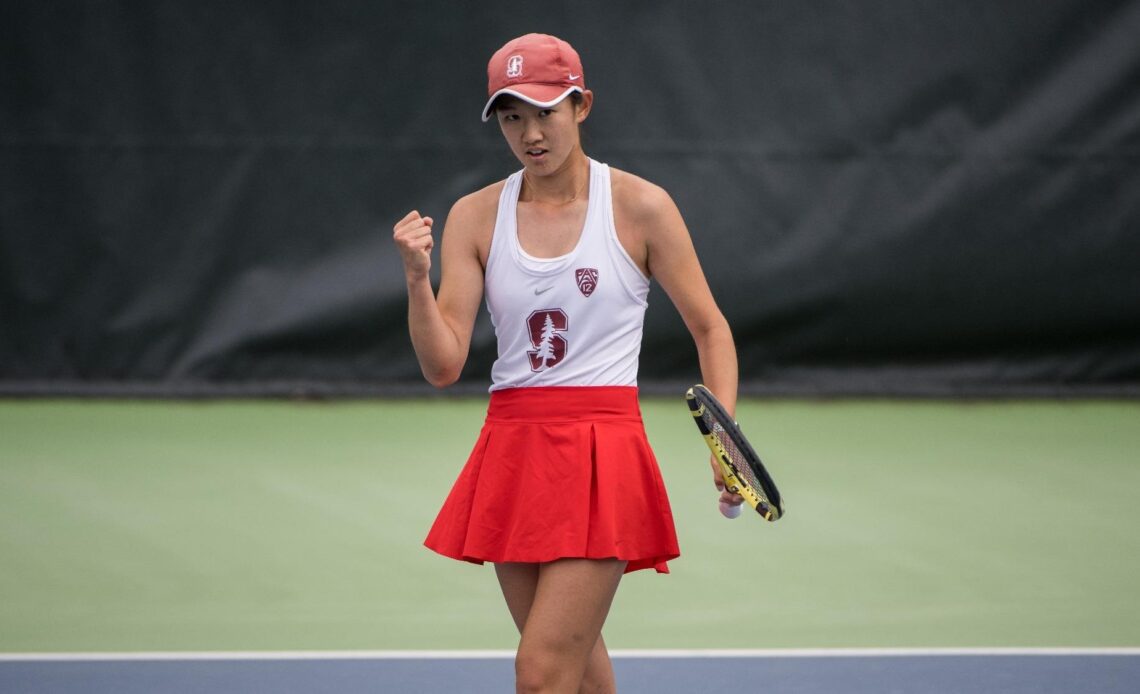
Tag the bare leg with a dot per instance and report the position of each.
(518, 582)
(559, 609)
(599, 675)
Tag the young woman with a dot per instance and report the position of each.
(561, 492)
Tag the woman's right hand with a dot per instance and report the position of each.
(729, 501)
(412, 235)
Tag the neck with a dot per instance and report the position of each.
(562, 187)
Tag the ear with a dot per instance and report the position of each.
(583, 109)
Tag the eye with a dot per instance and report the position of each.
(545, 112)
(510, 116)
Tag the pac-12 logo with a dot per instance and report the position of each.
(587, 280)
(544, 327)
(514, 66)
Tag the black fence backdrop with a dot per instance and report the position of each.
(889, 196)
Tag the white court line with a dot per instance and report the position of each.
(616, 653)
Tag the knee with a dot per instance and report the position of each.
(594, 683)
(536, 672)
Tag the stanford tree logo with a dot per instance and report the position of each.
(544, 327)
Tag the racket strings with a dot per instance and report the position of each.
(739, 462)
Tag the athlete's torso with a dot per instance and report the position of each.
(574, 320)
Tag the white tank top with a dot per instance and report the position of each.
(574, 320)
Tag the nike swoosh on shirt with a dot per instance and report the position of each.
(542, 291)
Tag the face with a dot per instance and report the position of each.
(543, 138)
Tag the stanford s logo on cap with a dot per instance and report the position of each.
(587, 280)
(514, 66)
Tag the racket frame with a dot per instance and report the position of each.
(767, 502)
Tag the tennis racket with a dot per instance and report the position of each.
(741, 468)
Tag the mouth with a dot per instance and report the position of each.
(535, 152)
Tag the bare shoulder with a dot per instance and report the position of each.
(638, 200)
(476, 209)
(471, 222)
(645, 216)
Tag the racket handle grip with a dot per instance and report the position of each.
(730, 510)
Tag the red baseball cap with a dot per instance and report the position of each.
(539, 69)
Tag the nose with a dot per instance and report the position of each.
(531, 132)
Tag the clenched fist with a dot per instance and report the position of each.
(412, 235)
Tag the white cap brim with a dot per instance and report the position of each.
(533, 101)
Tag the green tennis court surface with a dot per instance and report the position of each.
(158, 526)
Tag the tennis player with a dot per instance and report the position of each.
(561, 492)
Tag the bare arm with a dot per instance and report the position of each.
(441, 326)
(672, 259)
(651, 228)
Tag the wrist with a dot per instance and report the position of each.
(415, 279)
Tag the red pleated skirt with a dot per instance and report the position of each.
(559, 472)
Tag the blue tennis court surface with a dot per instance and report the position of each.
(1005, 671)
